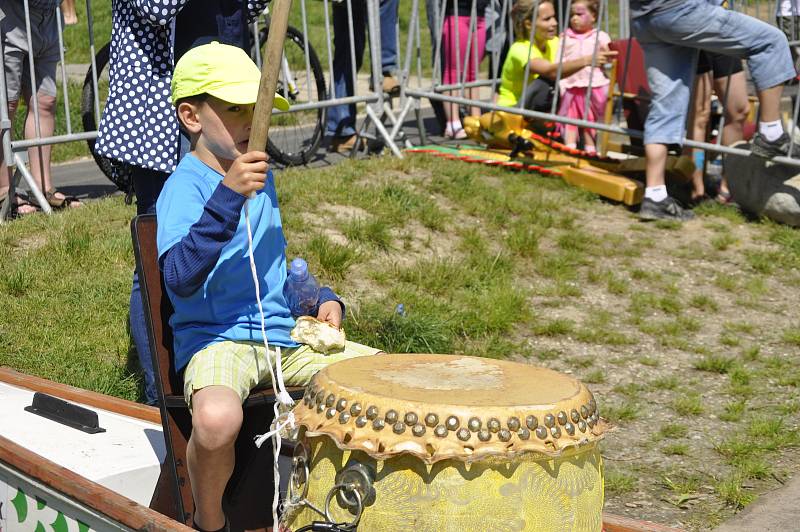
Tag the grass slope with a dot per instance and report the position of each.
(688, 335)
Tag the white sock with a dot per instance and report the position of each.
(656, 193)
(454, 125)
(771, 130)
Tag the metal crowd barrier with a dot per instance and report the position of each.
(376, 109)
(435, 90)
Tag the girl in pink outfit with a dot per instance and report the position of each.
(578, 41)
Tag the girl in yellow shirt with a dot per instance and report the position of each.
(542, 55)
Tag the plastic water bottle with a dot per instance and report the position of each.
(301, 289)
(400, 310)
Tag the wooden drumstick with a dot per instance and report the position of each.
(270, 68)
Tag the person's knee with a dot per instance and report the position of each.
(216, 425)
(737, 113)
(47, 103)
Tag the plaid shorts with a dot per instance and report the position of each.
(241, 366)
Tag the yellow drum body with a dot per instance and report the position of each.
(451, 444)
(532, 492)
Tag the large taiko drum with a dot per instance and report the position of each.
(446, 443)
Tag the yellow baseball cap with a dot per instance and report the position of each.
(221, 70)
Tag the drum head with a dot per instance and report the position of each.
(444, 406)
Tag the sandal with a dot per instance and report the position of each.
(458, 134)
(61, 203)
(19, 207)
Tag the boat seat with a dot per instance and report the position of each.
(249, 492)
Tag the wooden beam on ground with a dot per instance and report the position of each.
(611, 186)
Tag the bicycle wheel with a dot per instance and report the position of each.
(294, 137)
(117, 172)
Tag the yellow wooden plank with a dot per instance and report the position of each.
(613, 187)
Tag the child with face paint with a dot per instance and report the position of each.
(581, 39)
(539, 56)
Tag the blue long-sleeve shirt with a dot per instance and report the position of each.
(204, 257)
(187, 264)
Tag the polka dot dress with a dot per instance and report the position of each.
(139, 125)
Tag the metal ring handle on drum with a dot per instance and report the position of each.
(299, 465)
(329, 498)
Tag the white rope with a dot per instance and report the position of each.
(282, 420)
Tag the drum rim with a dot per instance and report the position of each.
(383, 427)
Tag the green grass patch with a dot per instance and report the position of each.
(618, 482)
(621, 412)
(715, 364)
(688, 405)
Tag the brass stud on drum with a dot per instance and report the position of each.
(504, 434)
(541, 432)
(452, 423)
(344, 417)
(555, 431)
(418, 430)
(361, 421)
(562, 418)
(484, 435)
(378, 424)
(411, 419)
(575, 416)
(399, 427)
(355, 409)
(320, 396)
(549, 421)
(582, 425)
(590, 422)
(431, 420)
(584, 411)
(474, 424)
(341, 405)
(463, 434)
(570, 428)
(320, 408)
(440, 431)
(391, 416)
(524, 434)
(372, 412)
(493, 424)
(531, 422)
(330, 400)
(330, 412)
(513, 424)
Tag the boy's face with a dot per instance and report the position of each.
(223, 130)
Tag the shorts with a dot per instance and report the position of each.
(721, 65)
(241, 366)
(44, 48)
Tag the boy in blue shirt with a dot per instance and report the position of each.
(204, 256)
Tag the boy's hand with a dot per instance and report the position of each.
(331, 312)
(247, 173)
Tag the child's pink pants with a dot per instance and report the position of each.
(452, 69)
(572, 106)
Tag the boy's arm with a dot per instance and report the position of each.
(325, 295)
(158, 12)
(188, 262)
(327, 308)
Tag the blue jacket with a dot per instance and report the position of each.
(139, 126)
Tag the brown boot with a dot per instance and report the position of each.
(343, 144)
